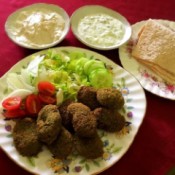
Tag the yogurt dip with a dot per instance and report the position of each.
(101, 29)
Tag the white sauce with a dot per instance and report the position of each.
(101, 29)
(38, 28)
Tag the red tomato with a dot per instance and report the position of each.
(33, 104)
(14, 113)
(46, 99)
(12, 103)
(46, 88)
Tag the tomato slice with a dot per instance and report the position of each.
(12, 103)
(46, 99)
(17, 113)
(46, 88)
(33, 104)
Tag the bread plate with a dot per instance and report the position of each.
(148, 79)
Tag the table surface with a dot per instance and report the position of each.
(153, 150)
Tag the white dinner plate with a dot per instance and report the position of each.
(115, 144)
(90, 10)
(148, 79)
(18, 18)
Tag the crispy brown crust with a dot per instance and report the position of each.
(48, 123)
(87, 95)
(84, 125)
(110, 98)
(26, 138)
(109, 120)
(63, 145)
(66, 118)
(90, 148)
(77, 107)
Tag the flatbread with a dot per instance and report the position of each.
(155, 49)
(164, 74)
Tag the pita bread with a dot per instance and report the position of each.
(167, 76)
(156, 49)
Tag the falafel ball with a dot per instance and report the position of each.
(26, 138)
(63, 145)
(109, 120)
(66, 118)
(87, 96)
(90, 148)
(84, 125)
(48, 123)
(77, 107)
(110, 98)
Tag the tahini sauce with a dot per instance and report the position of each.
(101, 29)
(38, 28)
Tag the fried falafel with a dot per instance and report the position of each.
(25, 137)
(66, 118)
(77, 107)
(48, 123)
(63, 145)
(110, 98)
(90, 148)
(109, 120)
(87, 95)
(84, 125)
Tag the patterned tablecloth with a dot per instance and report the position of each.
(153, 150)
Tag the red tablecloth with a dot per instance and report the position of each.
(153, 150)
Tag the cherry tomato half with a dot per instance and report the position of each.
(46, 88)
(33, 104)
(46, 99)
(17, 113)
(12, 103)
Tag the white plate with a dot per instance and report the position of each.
(88, 10)
(11, 25)
(149, 80)
(115, 145)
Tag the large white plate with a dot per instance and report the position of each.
(149, 80)
(115, 145)
(11, 24)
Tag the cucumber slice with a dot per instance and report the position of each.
(101, 78)
(76, 65)
(76, 55)
(80, 64)
(92, 65)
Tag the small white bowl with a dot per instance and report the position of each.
(91, 10)
(13, 22)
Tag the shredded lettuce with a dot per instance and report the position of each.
(66, 70)
(69, 71)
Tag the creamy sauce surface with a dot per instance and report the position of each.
(38, 27)
(101, 29)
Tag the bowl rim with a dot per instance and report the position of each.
(83, 11)
(54, 7)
